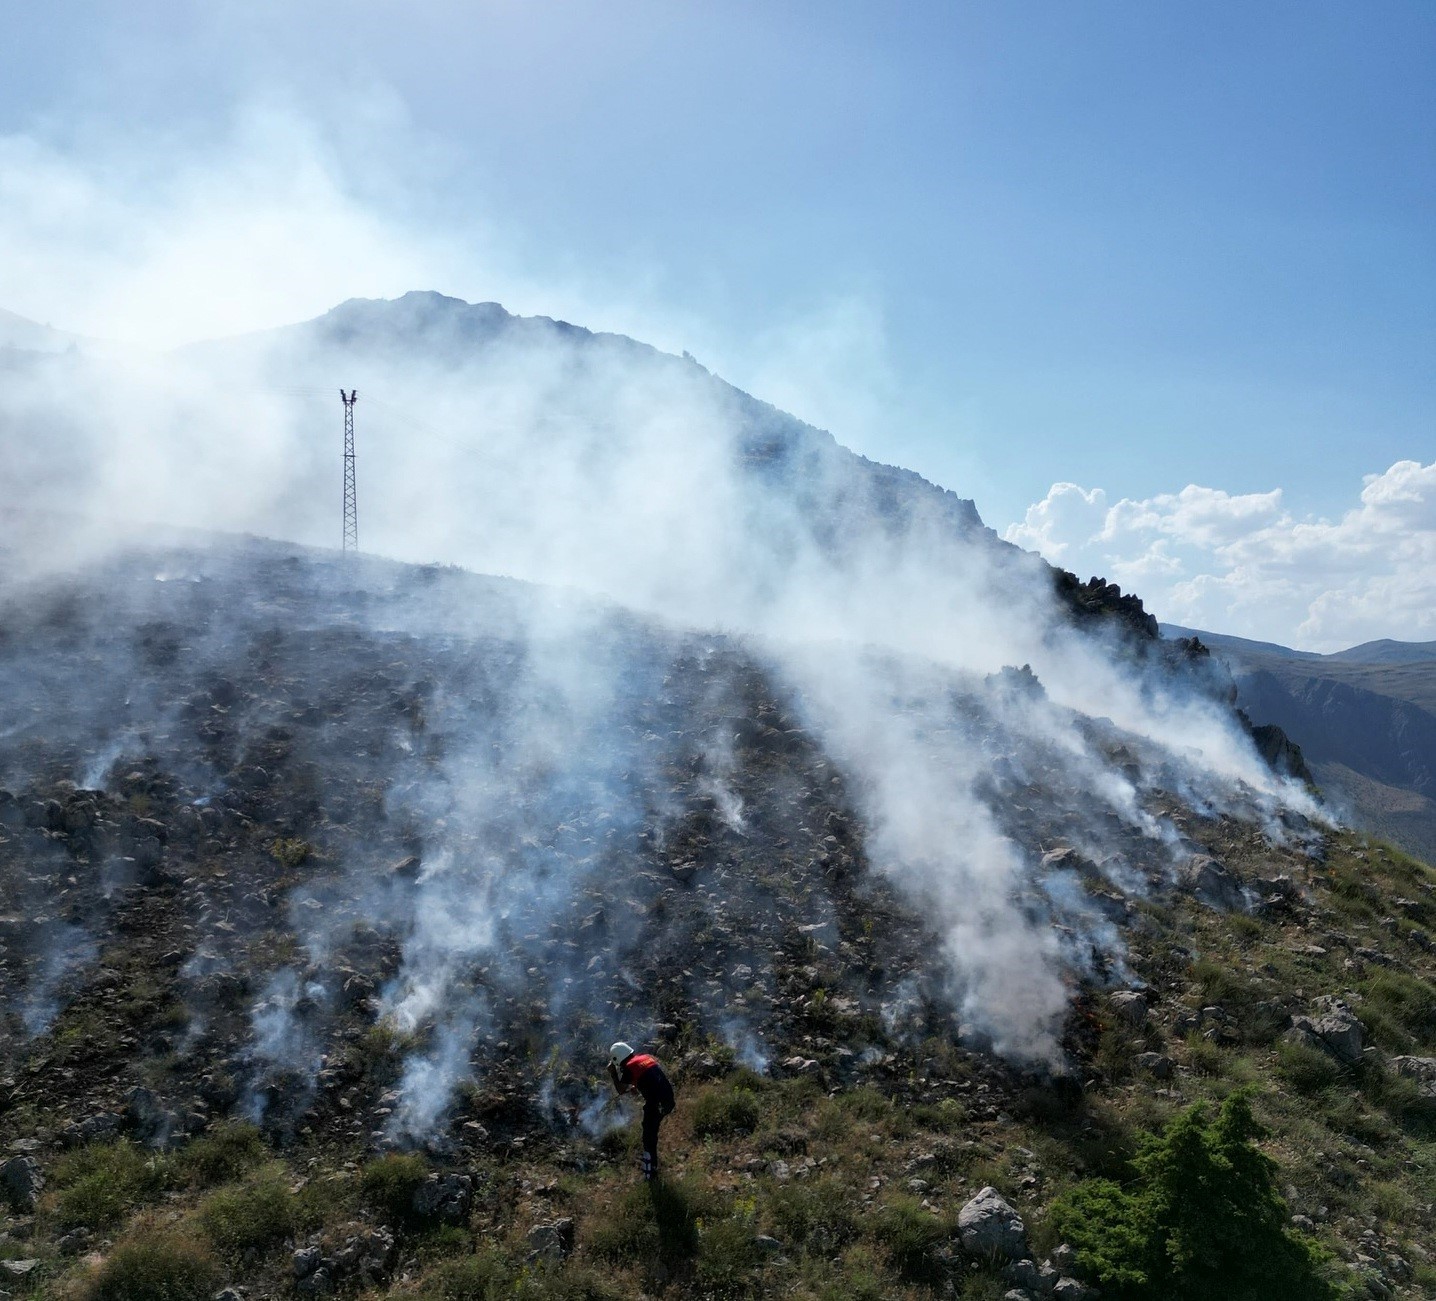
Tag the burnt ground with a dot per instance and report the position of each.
(239, 795)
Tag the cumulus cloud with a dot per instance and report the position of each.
(1246, 564)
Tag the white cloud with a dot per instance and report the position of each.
(1068, 516)
(1244, 564)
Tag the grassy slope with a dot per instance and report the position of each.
(860, 1188)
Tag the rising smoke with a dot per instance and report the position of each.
(616, 476)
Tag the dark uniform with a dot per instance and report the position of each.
(641, 1072)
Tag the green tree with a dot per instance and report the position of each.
(1202, 1218)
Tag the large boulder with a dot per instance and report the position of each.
(21, 1182)
(1332, 1028)
(551, 1242)
(1212, 882)
(1131, 1006)
(988, 1226)
(444, 1198)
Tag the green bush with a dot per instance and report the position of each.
(229, 1151)
(98, 1185)
(388, 1184)
(866, 1103)
(1307, 1070)
(291, 852)
(250, 1216)
(1201, 1219)
(813, 1214)
(727, 1252)
(1400, 1010)
(722, 1113)
(474, 1278)
(946, 1117)
(489, 1276)
(156, 1267)
(651, 1220)
(860, 1277)
(1401, 1098)
(912, 1236)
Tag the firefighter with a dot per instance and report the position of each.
(630, 1070)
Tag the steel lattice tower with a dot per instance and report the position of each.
(351, 500)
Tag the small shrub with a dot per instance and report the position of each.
(1245, 928)
(1401, 1098)
(946, 1117)
(480, 1277)
(981, 1287)
(251, 1216)
(1307, 1070)
(862, 1278)
(722, 1113)
(812, 1215)
(727, 1252)
(866, 1103)
(1115, 1055)
(156, 1267)
(1393, 1203)
(229, 1151)
(388, 1184)
(1400, 1010)
(912, 1236)
(101, 1183)
(658, 1219)
(830, 1121)
(291, 852)
(570, 1283)
(1204, 1057)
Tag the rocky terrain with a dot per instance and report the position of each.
(1365, 718)
(325, 886)
(992, 951)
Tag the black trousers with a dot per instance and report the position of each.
(656, 1105)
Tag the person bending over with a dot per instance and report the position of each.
(642, 1073)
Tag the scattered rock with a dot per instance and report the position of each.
(445, 1198)
(1157, 1065)
(319, 1283)
(551, 1242)
(1064, 1258)
(103, 1125)
(1030, 1277)
(1131, 1006)
(306, 1261)
(989, 1226)
(73, 1243)
(1333, 1029)
(1420, 1069)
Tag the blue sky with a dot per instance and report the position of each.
(1127, 246)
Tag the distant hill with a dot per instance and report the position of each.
(1387, 651)
(1365, 719)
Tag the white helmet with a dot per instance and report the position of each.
(619, 1054)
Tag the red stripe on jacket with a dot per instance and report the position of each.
(637, 1066)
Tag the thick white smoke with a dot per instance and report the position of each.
(595, 465)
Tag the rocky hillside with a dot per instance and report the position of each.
(325, 886)
(1365, 719)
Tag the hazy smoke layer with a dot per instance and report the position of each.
(533, 449)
